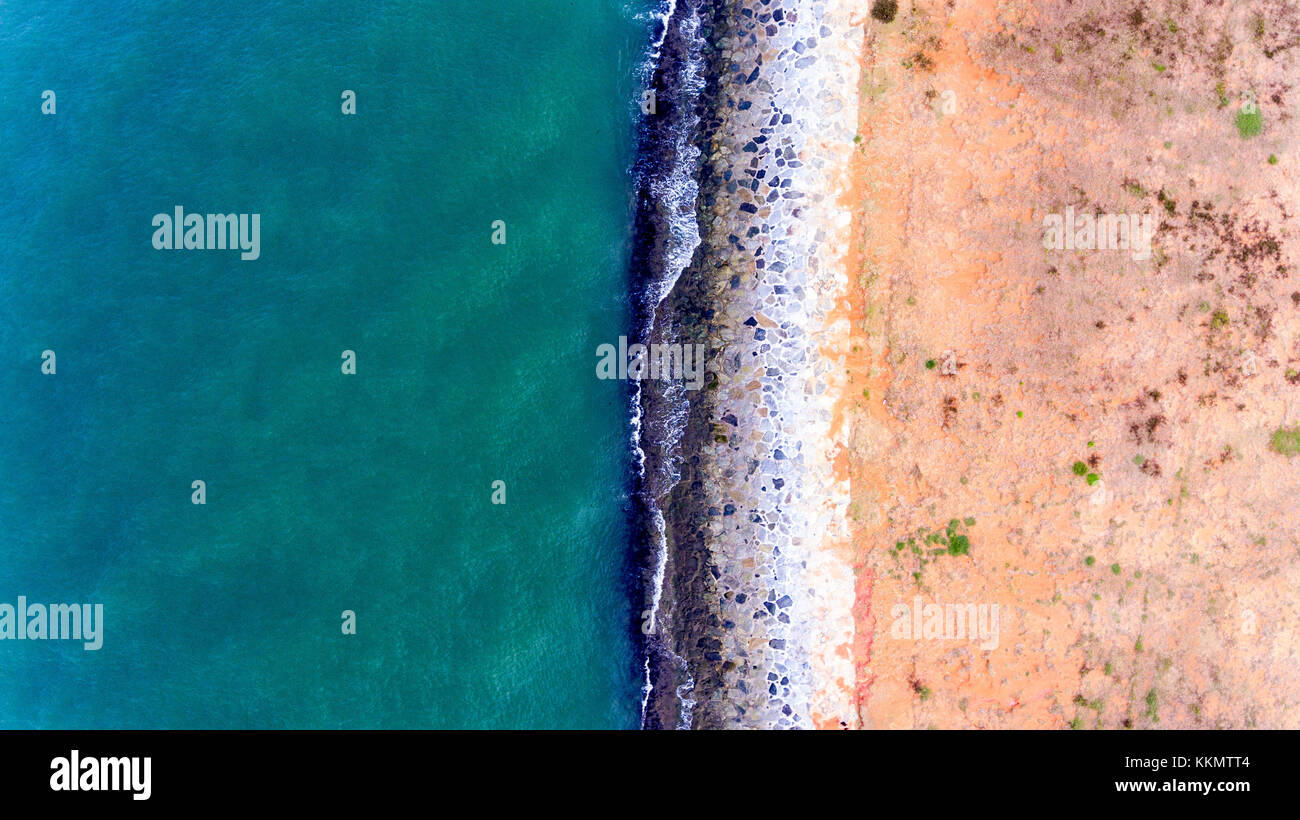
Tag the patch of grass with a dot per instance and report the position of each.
(1114, 568)
(1089, 561)
(1092, 478)
(1020, 414)
(1219, 319)
(1080, 468)
(930, 364)
(1272, 159)
(1249, 123)
(1151, 706)
(1285, 441)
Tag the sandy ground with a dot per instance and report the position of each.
(1157, 588)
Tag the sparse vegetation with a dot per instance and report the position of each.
(926, 546)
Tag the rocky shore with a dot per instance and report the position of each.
(758, 588)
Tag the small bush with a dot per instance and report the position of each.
(884, 10)
(1286, 441)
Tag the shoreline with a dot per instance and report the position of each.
(755, 616)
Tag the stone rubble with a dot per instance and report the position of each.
(775, 241)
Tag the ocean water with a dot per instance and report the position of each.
(325, 492)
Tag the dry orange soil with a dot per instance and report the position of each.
(1158, 588)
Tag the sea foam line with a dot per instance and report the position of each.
(675, 193)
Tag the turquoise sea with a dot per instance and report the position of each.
(325, 492)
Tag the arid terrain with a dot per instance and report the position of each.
(1095, 441)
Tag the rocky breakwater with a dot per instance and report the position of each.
(759, 583)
